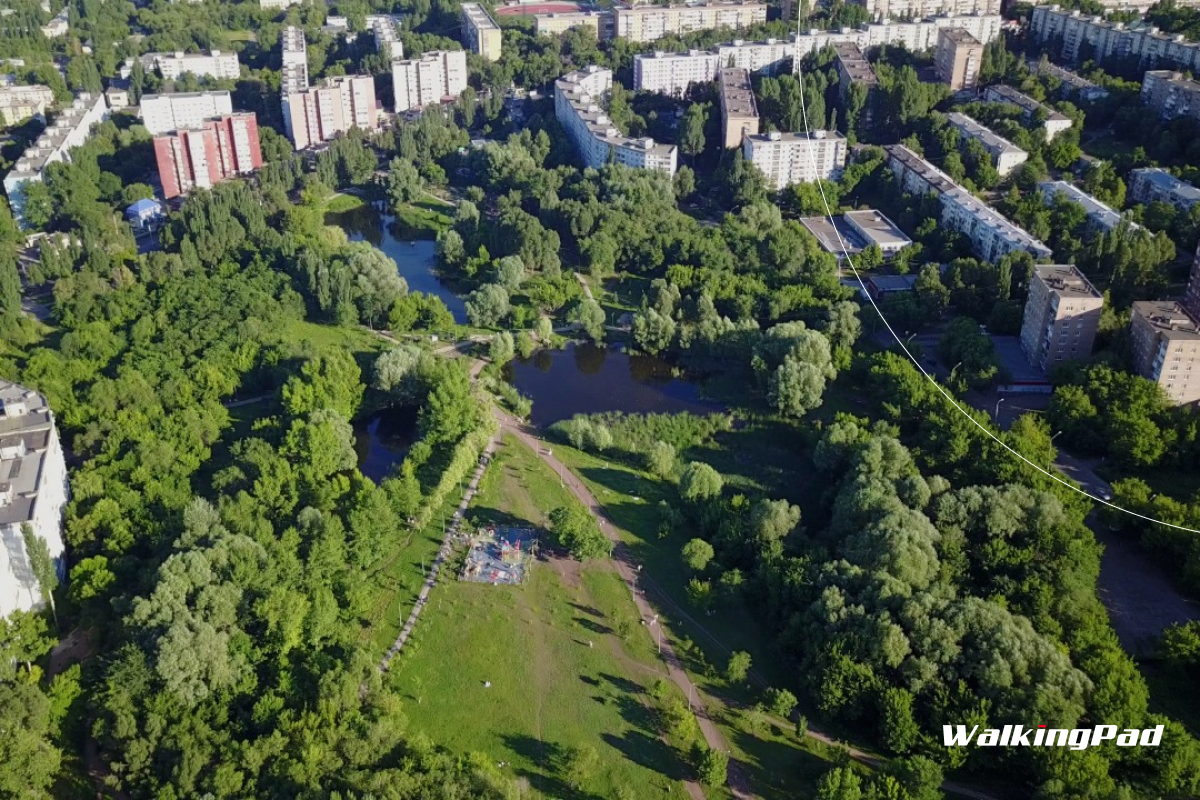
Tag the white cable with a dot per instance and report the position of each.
(829, 213)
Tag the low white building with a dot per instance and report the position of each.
(71, 128)
(577, 97)
(33, 492)
(222, 66)
(673, 73)
(1100, 215)
(58, 26)
(787, 158)
(1006, 156)
(424, 81)
(1154, 184)
(1055, 122)
(163, 113)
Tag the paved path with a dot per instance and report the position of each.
(627, 570)
(442, 554)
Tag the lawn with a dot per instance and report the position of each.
(780, 767)
(561, 675)
(424, 217)
(343, 202)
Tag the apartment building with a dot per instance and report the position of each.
(739, 112)
(1101, 217)
(162, 113)
(480, 33)
(1072, 85)
(1170, 94)
(919, 9)
(787, 158)
(215, 64)
(18, 103)
(1191, 298)
(430, 79)
(33, 491)
(1055, 123)
(769, 57)
(919, 36)
(853, 67)
(673, 73)
(1006, 156)
(294, 52)
(577, 97)
(1062, 315)
(1146, 45)
(205, 155)
(334, 106)
(385, 28)
(1154, 184)
(991, 235)
(1166, 348)
(562, 21)
(278, 4)
(646, 23)
(70, 128)
(59, 25)
(957, 59)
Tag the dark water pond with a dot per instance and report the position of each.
(415, 258)
(585, 379)
(382, 441)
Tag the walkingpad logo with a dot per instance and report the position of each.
(1041, 736)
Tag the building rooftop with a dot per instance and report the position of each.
(832, 235)
(854, 63)
(958, 36)
(780, 136)
(293, 38)
(1168, 318)
(692, 4)
(34, 159)
(1024, 101)
(1066, 281)
(659, 55)
(1094, 208)
(479, 17)
(183, 95)
(885, 284)
(993, 142)
(1066, 76)
(878, 228)
(25, 423)
(737, 98)
(1167, 182)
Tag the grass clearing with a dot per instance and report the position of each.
(427, 215)
(561, 676)
(344, 202)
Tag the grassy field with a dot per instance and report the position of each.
(426, 215)
(568, 664)
(780, 765)
(343, 202)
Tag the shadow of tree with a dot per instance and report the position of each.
(551, 760)
(648, 751)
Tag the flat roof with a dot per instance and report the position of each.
(1168, 318)
(1023, 100)
(1091, 205)
(780, 136)
(854, 63)
(827, 232)
(1168, 182)
(892, 283)
(877, 227)
(479, 16)
(991, 141)
(958, 35)
(597, 121)
(737, 98)
(1065, 280)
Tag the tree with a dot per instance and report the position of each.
(10, 290)
(700, 482)
(899, 727)
(42, 566)
(404, 184)
(501, 349)
(796, 387)
(397, 373)
(510, 273)
(691, 130)
(589, 316)
(699, 593)
(712, 765)
(781, 702)
(840, 783)
(697, 554)
(577, 531)
(685, 182)
(581, 766)
(330, 380)
(738, 666)
(487, 305)
(661, 460)
(652, 331)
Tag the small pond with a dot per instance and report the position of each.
(415, 258)
(586, 379)
(383, 439)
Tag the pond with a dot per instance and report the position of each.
(383, 439)
(586, 379)
(416, 258)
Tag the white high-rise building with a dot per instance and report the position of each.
(919, 9)
(992, 236)
(386, 30)
(427, 80)
(577, 97)
(787, 158)
(673, 73)
(334, 106)
(647, 22)
(919, 36)
(33, 492)
(1145, 44)
(480, 33)
(71, 128)
(163, 113)
(768, 58)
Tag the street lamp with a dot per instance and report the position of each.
(1052, 438)
(996, 416)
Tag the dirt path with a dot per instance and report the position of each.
(627, 570)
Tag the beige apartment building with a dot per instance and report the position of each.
(19, 103)
(480, 33)
(1062, 315)
(1166, 348)
(646, 23)
(920, 9)
(958, 58)
(334, 106)
(739, 112)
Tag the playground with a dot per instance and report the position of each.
(500, 554)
